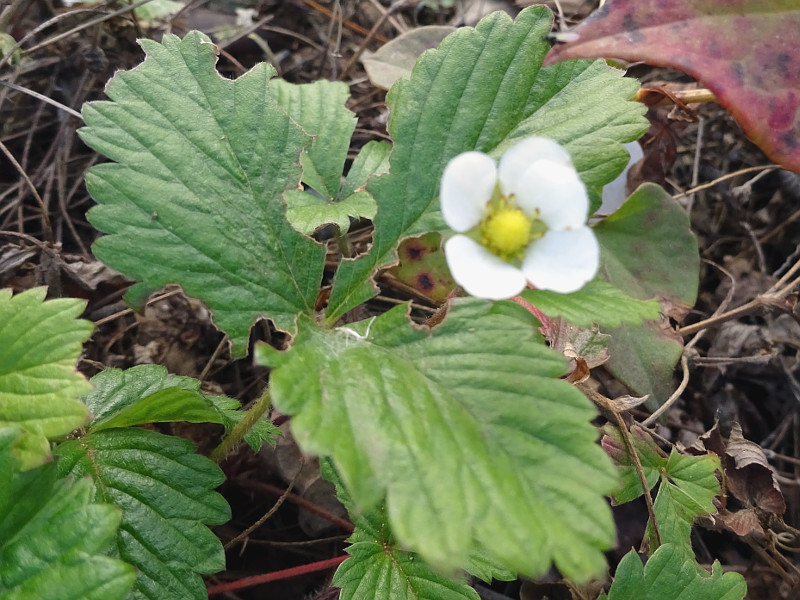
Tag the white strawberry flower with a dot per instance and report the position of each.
(521, 221)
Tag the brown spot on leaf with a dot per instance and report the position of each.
(425, 282)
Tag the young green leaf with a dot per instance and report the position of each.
(372, 160)
(195, 195)
(466, 431)
(653, 460)
(380, 571)
(53, 536)
(745, 52)
(481, 72)
(597, 302)
(165, 492)
(40, 342)
(148, 394)
(648, 250)
(665, 577)
(687, 490)
(319, 109)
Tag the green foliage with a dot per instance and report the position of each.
(687, 485)
(597, 302)
(40, 342)
(52, 535)
(195, 193)
(644, 357)
(665, 577)
(147, 394)
(466, 96)
(163, 489)
(402, 411)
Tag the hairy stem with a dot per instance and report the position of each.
(242, 428)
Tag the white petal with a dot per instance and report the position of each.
(481, 273)
(562, 261)
(556, 191)
(519, 157)
(467, 185)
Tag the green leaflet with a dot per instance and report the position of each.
(466, 96)
(665, 577)
(195, 193)
(164, 491)
(40, 342)
(147, 394)
(596, 302)
(466, 431)
(649, 250)
(53, 536)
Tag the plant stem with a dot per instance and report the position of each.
(247, 582)
(242, 428)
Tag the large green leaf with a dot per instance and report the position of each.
(648, 250)
(52, 536)
(164, 490)
(195, 195)
(466, 431)
(40, 342)
(481, 90)
(665, 577)
(148, 394)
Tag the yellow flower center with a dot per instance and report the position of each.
(506, 232)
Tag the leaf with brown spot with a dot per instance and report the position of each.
(747, 52)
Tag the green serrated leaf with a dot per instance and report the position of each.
(509, 463)
(372, 160)
(52, 536)
(164, 490)
(687, 490)
(648, 250)
(480, 72)
(585, 106)
(40, 343)
(375, 571)
(596, 302)
(195, 195)
(149, 394)
(665, 577)
(319, 109)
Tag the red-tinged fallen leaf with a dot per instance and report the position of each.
(746, 51)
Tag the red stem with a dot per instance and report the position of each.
(276, 575)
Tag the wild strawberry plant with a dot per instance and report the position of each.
(456, 445)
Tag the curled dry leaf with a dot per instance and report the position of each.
(750, 480)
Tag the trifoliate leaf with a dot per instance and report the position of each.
(596, 302)
(648, 250)
(195, 195)
(687, 490)
(665, 577)
(382, 572)
(466, 95)
(52, 536)
(466, 431)
(40, 343)
(165, 492)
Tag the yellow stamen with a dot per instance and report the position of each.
(506, 232)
